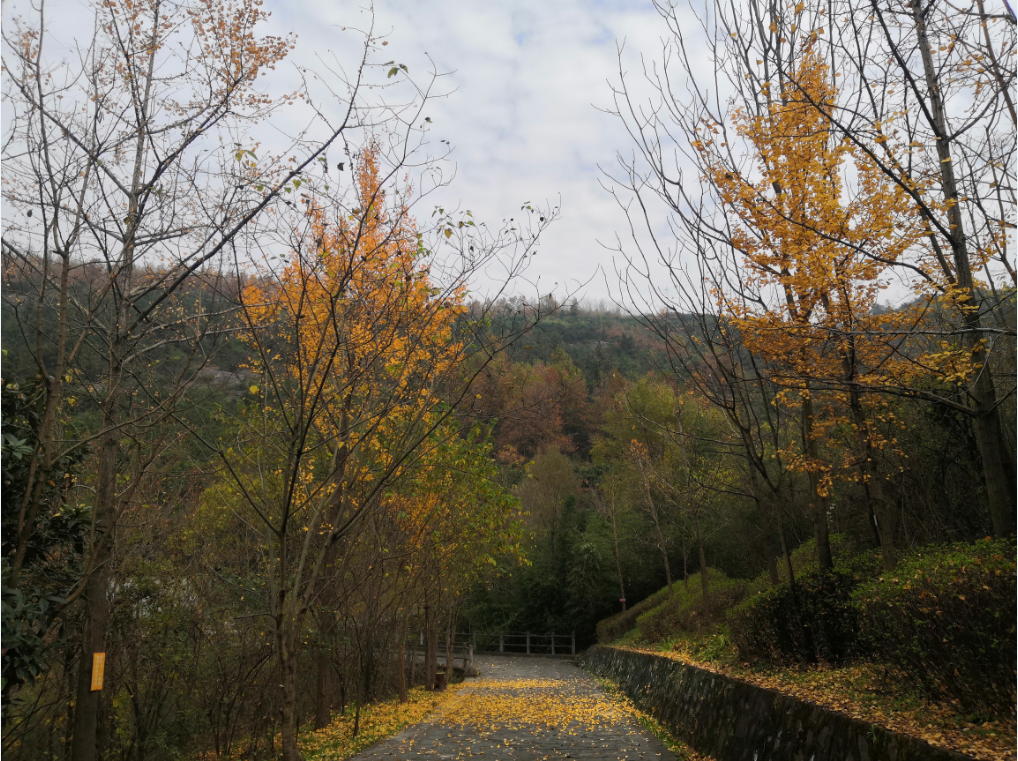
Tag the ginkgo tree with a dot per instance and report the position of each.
(359, 343)
(459, 527)
(915, 197)
(928, 95)
(817, 251)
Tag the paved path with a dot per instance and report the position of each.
(525, 708)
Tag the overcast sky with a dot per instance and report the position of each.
(525, 80)
(523, 121)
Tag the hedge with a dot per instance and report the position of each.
(683, 612)
(813, 621)
(945, 620)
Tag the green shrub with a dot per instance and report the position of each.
(610, 629)
(662, 614)
(683, 612)
(677, 614)
(712, 647)
(945, 620)
(847, 557)
(811, 622)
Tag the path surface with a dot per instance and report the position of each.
(525, 708)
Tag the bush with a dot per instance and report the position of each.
(946, 621)
(683, 612)
(662, 615)
(678, 615)
(847, 557)
(811, 622)
(610, 629)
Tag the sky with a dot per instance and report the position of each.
(526, 81)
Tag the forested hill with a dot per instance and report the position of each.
(598, 341)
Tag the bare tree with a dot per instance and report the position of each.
(131, 167)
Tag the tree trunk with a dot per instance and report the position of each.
(86, 712)
(323, 696)
(288, 674)
(664, 554)
(652, 509)
(413, 662)
(818, 502)
(821, 532)
(685, 562)
(786, 554)
(402, 659)
(430, 650)
(86, 707)
(704, 582)
(772, 566)
(618, 561)
(327, 624)
(86, 703)
(885, 517)
(450, 645)
(998, 465)
(873, 488)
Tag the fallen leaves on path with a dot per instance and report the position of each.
(377, 722)
(548, 703)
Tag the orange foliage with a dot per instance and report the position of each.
(817, 253)
(359, 305)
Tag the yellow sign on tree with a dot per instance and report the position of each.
(98, 670)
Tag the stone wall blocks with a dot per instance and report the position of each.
(733, 720)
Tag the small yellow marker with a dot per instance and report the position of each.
(98, 669)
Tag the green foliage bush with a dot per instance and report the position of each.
(662, 614)
(52, 560)
(945, 620)
(847, 557)
(610, 629)
(811, 622)
(683, 611)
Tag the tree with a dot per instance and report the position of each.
(132, 167)
(810, 311)
(939, 121)
(607, 502)
(637, 441)
(757, 53)
(359, 342)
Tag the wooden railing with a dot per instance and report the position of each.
(526, 643)
(505, 643)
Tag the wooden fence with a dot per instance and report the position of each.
(466, 644)
(526, 643)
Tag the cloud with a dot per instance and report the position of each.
(524, 83)
(527, 79)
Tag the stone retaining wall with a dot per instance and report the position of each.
(732, 720)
